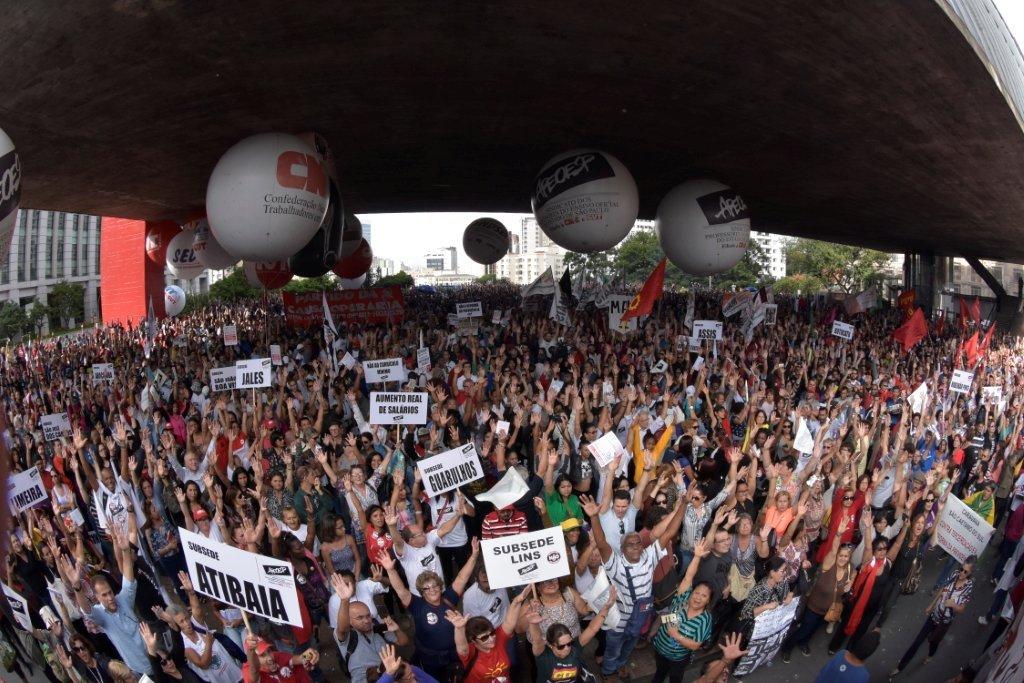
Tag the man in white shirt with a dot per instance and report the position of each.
(480, 601)
(416, 550)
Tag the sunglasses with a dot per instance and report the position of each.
(560, 646)
(847, 497)
(485, 637)
(79, 648)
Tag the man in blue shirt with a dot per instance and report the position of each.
(847, 666)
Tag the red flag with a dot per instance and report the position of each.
(912, 331)
(971, 350)
(940, 324)
(987, 340)
(643, 302)
(965, 313)
(906, 301)
(976, 311)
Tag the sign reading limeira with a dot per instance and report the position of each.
(353, 306)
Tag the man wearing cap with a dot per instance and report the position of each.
(266, 665)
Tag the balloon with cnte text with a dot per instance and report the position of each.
(267, 275)
(486, 241)
(181, 257)
(703, 227)
(209, 251)
(357, 264)
(10, 192)
(266, 197)
(174, 300)
(585, 200)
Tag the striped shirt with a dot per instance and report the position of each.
(698, 629)
(495, 527)
(633, 581)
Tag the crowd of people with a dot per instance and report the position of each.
(778, 464)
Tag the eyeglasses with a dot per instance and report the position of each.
(622, 527)
(847, 497)
(560, 646)
(485, 637)
(432, 587)
(79, 648)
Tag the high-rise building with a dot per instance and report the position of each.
(445, 258)
(367, 233)
(49, 247)
(774, 248)
(531, 253)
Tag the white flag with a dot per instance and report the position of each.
(559, 311)
(330, 336)
(543, 285)
(688, 321)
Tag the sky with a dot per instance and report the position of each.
(406, 237)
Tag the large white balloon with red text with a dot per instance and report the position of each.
(585, 200)
(181, 257)
(703, 227)
(174, 300)
(10, 192)
(266, 197)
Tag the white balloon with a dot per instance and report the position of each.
(174, 300)
(585, 200)
(486, 241)
(181, 257)
(208, 249)
(352, 283)
(10, 192)
(703, 227)
(351, 236)
(266, 197)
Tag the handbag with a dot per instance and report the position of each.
(913, 580)
(835, 611)
(642, 607)
(739, 585)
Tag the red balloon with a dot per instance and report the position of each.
(269, 275)
(158, 236)
(357, 263)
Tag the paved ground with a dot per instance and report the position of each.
(962, 644)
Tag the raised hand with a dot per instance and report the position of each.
(457, 619)
(589, 505)
(390, 659)
(702, 549)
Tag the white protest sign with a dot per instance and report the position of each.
(771, 314)
(257, 584)
(468, 326)
(55, 426)
(605, 449)
(385, 370)
(993, 393)
(348, 360)
(842, 330)
(398, 408)
(496, 316)
(423, 359)
(961, 381)
(736, 303)
(525, 558)
(770, 629)
(453, 318)
(698, 364)
(918, 398)
(222, 379)
(19, 606)
(230, 335)
(617, 305)
(254, 373)
(275, 354)
(450, 470)
(556, 385)
(803, 442)
(469, 309)
(962, 531)
(707, 330)
(597, 595)
(502, 427)
(102, 372)
(660, 367)
(25, 490)
(694, 345)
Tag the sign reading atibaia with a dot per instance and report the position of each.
(258, 584)
(350, 306)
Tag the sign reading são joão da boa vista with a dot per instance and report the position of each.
(375, 305)
(450, 470)
(258, 584)
(525, 558)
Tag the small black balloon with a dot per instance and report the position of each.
(320, 254)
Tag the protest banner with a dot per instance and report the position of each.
(25, 490)
(453, 319)
(962, 531)
(694, 345)
(257, 584)
(275, 354)
(842, 330)
(496, 316)
(961, 381)
(597, 595)
(707, 330)
(733, 303)
(617, 305)
(502, 427)
(19, 606)
(450, 470)
(384, 370)
(398, 408)
(770, 629)
(606, 448)
(467, 326)
(918, 397)
(992, 394)
(469, 309)
(55, 426)
(222, 379)
(771, 314)
(102, 372)
(423, 359)
(350, 306)
(348, 360)
(525, 558)
(254, 373)
(230, 335)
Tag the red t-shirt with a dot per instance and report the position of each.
(286, 673)
(378, 543)
(489, 666)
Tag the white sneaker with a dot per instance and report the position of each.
(983, 620)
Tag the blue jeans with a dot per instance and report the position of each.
(618, 647)
(998, 598)
(809, 624)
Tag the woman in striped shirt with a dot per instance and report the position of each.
(687, 624)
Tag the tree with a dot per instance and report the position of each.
(231, 288)
(751, 270)
(13, 321)
(37, 315)
(487, 279)
(805, 284)
(598, 265)
(401, 279)
(838, 266)
(639, 253)
(310, 284)
(67, 302)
